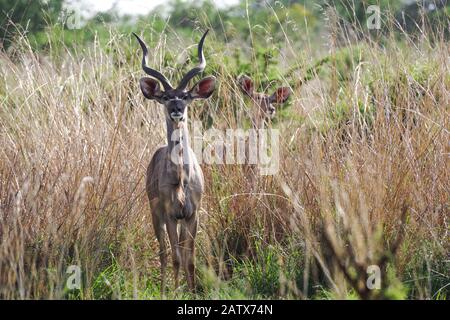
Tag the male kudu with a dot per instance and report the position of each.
(174, 182)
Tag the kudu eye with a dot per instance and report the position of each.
(185, 96)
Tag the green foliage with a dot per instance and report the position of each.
(26, 16)
(263, 273)
(395, 289)
(354, 11)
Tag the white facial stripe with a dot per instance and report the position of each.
(176, 115)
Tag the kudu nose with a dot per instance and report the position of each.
(177, 107)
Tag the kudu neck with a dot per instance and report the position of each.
(176, 133)
(259, 121)
(178, 147)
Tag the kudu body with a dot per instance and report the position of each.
(174, 181)
(261, 111)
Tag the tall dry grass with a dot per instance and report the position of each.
(364, 178)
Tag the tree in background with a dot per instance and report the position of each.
(26, 15)
(354, 11)
(436, 12)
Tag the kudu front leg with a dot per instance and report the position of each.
(187, 243)
(171, 225)
(159, 232)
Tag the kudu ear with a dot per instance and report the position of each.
(280, 95)
(204, 88)
(246, 84)
(150, 88)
